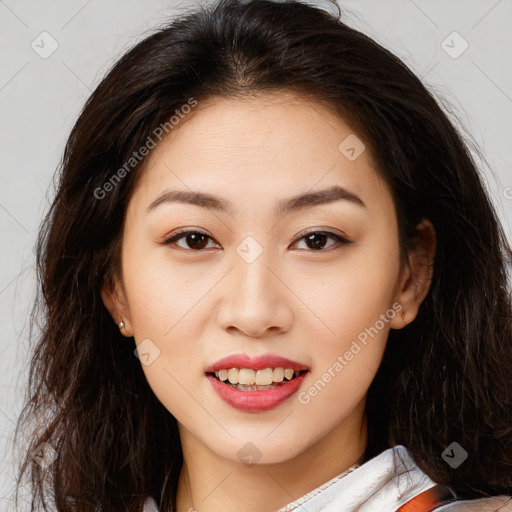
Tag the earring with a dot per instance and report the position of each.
(121, 323)
(402, 313)
(122, 329)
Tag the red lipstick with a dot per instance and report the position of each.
(256, 400)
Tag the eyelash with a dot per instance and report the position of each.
(342, 241)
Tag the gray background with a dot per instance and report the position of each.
(40, 99)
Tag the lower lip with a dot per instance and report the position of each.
(255, 401)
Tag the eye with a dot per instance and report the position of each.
(196, 240)
(315, 240)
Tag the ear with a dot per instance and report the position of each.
(114, 299)
(417, 276)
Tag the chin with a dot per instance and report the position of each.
(258, 449)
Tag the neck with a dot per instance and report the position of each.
(209, 483)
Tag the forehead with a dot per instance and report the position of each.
(268, 145)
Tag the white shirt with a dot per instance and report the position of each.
(382, 484)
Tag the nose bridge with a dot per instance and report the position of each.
(254, 302)
(252, 274)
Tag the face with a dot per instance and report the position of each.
(314, 281)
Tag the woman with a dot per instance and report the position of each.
(272, 280)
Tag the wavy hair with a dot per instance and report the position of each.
(445, 377)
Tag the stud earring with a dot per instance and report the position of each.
(121, 323)
(122, 329)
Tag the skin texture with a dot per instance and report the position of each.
(296, 301)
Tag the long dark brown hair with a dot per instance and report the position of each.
(445, 378)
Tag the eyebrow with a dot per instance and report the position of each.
(295, 203)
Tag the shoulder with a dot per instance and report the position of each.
(493, 504)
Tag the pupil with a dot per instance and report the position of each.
(316, 245)
(195, 244)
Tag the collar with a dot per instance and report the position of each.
(385, 482)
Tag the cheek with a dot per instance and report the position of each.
(165, 309)
(344, 363)
(353, 308)
(349, 295)
(161, 294)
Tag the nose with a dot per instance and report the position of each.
(255, 299)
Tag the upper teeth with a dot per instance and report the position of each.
(259, 377)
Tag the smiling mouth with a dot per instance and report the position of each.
(277, 377)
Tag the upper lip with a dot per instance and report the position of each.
(255, 363)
